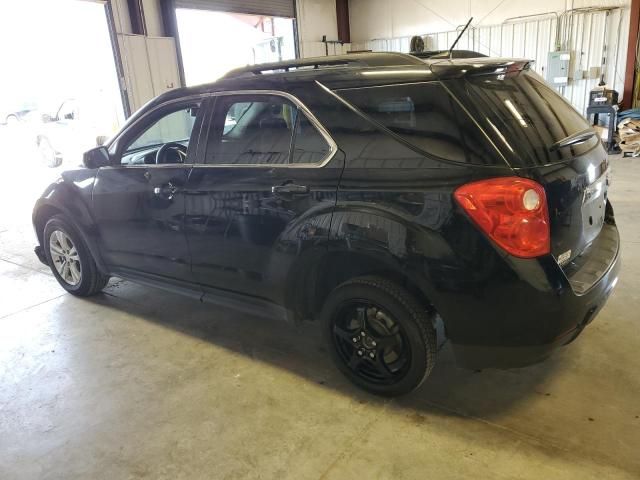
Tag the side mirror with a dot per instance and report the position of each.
(96, 158)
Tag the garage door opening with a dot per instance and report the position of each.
(59, 92)
(63, 91)
(212, 43)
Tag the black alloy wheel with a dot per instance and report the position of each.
(380, 336)
(371, 342)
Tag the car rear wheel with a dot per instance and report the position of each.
(50, 157)
(379, 335)
(70, 259)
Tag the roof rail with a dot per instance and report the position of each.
(385, 59)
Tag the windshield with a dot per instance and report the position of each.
(526, 117)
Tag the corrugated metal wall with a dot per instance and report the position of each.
(584, 33)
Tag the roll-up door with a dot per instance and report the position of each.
(271, 8)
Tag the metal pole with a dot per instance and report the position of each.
(537, 35)
(603, 65)
(586, 83)
(615, 65)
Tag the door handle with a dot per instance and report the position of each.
(168, 190)
(290, 189)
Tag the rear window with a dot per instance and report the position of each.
(425, 115)
(526, 116)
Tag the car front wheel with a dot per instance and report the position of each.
(70, 259)
(379, 335)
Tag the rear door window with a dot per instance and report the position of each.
(428, 118)
(251, 131)
(263, 130)
(309, 145)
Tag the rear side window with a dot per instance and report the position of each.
(428, 118)
(527, 116)
(263, 130)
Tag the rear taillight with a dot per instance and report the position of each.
(512, 211)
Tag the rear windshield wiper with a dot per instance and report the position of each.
(573, 139)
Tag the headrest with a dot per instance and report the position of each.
(273, 122)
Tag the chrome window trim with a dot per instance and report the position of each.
(333, 146)
(152, 165)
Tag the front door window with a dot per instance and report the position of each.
(165, 140)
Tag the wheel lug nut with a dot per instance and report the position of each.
(360, 352)
(355, 339)
(373, 343)
(372, 355)
(362, 334)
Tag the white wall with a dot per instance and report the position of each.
(153, 18)
(315, 19)
(150, 65)
(388, 26)
(371, 19)
(121, 16)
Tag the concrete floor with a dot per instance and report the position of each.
(136, 383)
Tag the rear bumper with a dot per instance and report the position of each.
(547, 321)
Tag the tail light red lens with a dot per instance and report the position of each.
(512, 211)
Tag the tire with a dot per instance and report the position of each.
(89, 281)
(11, 120)
(395, 351)
(50, 157)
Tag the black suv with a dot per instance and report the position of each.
(378, 193)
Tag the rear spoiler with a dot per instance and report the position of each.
(436, 54)
(481, 66)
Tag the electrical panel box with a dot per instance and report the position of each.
(558, 68)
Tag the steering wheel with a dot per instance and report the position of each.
(174, 147)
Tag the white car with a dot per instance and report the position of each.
(10, 116)
(68, 133)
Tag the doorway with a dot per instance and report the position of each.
(59, 92)
(212, 43)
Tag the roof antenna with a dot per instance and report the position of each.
(458, 38)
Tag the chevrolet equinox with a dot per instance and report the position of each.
(378, 193)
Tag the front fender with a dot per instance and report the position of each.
(70, 196)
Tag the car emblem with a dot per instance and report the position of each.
(592, 191)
